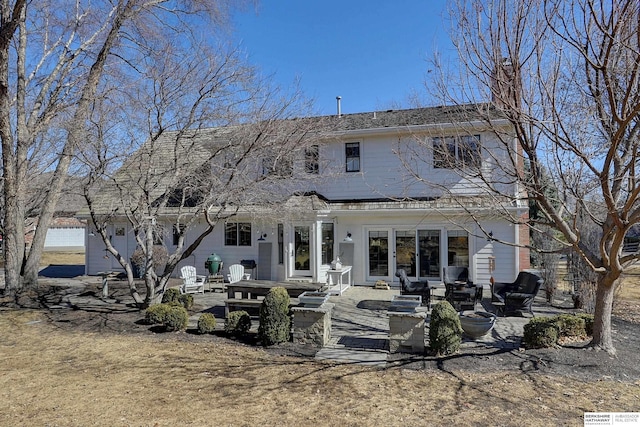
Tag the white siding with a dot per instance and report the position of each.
(383, 174)
(64, 237)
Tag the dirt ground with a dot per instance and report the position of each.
(66, 367)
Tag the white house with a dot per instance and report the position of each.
(394, 199)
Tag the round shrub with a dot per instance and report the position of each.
(570, 325)
(540, 333)
(170, 295)
(186, 300)
(206, 323)
(445, 332)
(156, 314)
(275, 322)
(238, 323)
(176, 318)
(588, 323)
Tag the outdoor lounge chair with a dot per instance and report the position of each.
(236, 273)
(408, 287)
(517, 296)
(191, 282)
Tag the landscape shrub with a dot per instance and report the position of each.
(206, 323)
(275, 321)
(570, 325)
(176, 318)
(543, 332)
(445, 331)
(156, 314)
(540, 332)
(238, 323)
(170, 295)
(588, 322)
(186, 300)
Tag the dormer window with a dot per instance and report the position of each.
(453, 152)
(352, 155)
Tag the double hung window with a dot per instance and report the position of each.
(456, 152)
(352, 156)
(237, 234)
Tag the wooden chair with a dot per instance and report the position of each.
(191, 282)
(236, 273)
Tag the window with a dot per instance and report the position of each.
(352, 155)
(311, 157)
(458, 246)
(277, 167)
(327, 243)
(237, 234)
(456, 152)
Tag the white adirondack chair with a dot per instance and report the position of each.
(191, 282)
(236, 273)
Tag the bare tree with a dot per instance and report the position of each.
(564, 75)
(199, 139)
(62, 58)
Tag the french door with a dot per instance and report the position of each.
(391, 249)
(302, 250)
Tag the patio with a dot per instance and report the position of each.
(360, 326)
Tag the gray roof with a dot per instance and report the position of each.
(417, 117)
(191, 151)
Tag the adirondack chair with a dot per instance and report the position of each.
(236, 273)
(191, 282)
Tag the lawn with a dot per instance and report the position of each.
(52, 374)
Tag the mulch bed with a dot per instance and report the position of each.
(573, 359)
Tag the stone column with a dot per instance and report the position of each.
(312, 325)
(406, 332)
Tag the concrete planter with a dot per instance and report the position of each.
(477, 324)
(405, 302)
(313, 299)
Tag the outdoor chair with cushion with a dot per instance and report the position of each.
(408, 287)
(517, 296)
(192, 283)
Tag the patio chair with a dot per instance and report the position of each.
(236, 273)
(459, 291)
(517, 296)
(408, 287)
(192, 283)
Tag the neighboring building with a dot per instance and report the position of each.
(371, 212)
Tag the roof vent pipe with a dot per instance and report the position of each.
(338, 98)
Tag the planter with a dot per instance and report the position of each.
(477, 324)
(313, 299)
(405, 302)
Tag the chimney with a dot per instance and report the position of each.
(506, 86)
(338, 98)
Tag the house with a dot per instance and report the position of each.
(394, 197)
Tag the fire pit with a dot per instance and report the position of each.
(477, 324)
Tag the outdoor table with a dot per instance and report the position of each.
(252, 289)
(465, 296)
(337, 285)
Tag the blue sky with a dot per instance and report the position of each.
(372, 53)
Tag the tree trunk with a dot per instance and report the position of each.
(602, 338)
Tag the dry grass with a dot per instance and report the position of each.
(62, 377)
(58, 377)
